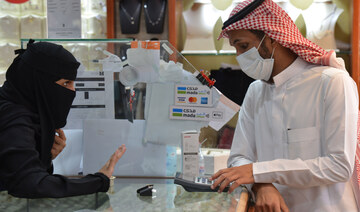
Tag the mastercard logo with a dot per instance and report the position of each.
(192, 99)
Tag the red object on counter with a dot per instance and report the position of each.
(16, 1)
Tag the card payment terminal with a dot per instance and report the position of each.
(195, 184)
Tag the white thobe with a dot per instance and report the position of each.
(300, 135)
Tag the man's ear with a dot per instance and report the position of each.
(274, 43)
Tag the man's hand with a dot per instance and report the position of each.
(108, 168)
(268, 198)
(59, 143)
(237, 175)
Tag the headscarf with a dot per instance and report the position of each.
(276, 23)
(30, 81)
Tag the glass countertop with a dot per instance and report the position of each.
(123, 197)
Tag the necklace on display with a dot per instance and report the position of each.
(128, 16)
(157, 21)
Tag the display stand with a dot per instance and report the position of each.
(168, 23)
(130, 11)
(155, 11)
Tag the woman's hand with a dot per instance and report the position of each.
(268, 198)
(109, 166)
(236, 175)
(59, 143)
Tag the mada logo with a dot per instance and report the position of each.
(181, 90)
(16, 1)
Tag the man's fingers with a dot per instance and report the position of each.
(216, 175)
(259, 208)
(283, 206)
(223, 184)
(217, 181)
(233, 186)
(277, 208)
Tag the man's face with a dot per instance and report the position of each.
(243, 40)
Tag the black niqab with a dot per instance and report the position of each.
(30, 81)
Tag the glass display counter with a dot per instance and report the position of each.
(123, 197)
(130, 92)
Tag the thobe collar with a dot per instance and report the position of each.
(292, 70)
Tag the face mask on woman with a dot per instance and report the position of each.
(253, 65)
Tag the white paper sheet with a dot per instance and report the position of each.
(68, 162)
(230, 109)
(94, 96)
(102, 137)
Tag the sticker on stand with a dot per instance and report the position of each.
(193, 95)
(167, 48)
(196, 113)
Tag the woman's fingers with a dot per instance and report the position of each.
(109, 166)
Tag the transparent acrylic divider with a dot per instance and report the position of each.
(123, 92)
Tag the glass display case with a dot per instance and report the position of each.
(130, 92)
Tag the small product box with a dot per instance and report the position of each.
(189, 153)
(215, 159)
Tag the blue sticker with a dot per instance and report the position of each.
(182, 88)
(204, 100)
(177, 110)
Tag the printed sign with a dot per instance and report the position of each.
(196, 113)
(193, 95)
(64, 18)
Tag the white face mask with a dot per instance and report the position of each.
(253, 65)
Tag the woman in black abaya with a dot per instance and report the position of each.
(34, 103)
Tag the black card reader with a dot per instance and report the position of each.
(196, 184)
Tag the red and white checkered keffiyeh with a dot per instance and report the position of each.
(276, 23)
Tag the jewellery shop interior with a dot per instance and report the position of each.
(155, 77)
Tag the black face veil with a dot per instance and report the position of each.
(30, 81)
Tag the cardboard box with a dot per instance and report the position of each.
(215, 159)
(189, 153)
